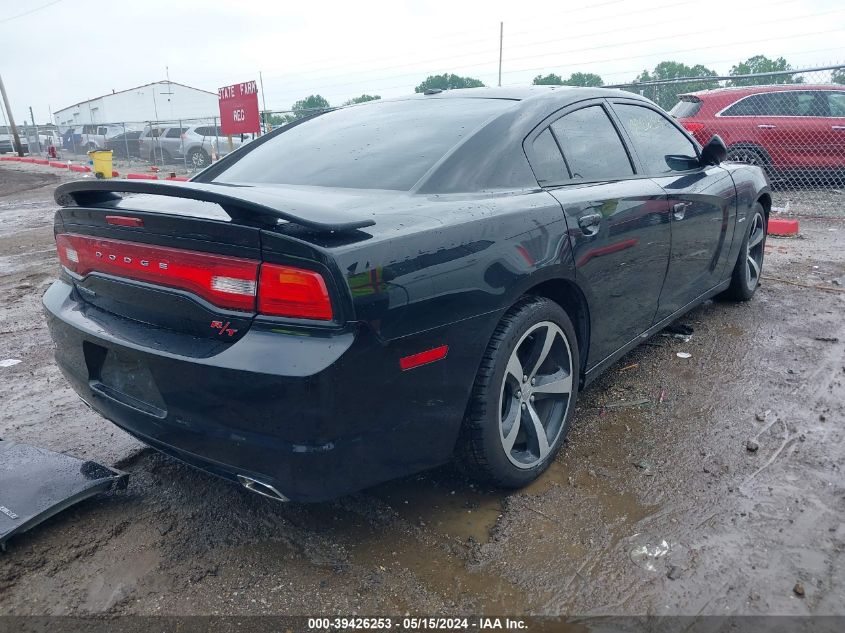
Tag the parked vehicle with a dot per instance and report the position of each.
(90, 136)
(125, 145)
(7, 144)
(193, 144)
(788, 129)
(381, 287)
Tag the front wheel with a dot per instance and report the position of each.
(749, 265)
(524, 395)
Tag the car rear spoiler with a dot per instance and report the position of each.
(239, 201)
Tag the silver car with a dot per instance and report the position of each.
(193, 144)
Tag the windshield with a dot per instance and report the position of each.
(388, 145)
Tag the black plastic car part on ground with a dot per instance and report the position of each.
(315, 313)
(36, 483)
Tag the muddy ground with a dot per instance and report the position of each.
(742, 527)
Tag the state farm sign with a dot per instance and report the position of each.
(239, 109)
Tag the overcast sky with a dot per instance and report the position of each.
(72, 50)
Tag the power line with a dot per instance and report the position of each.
(585, 64)
(31, 11)
(510, 46)
(613, 45)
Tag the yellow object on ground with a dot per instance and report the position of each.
(102, 165)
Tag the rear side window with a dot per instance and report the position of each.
(655, 139)
(380, 145)
(591, 145)
(686, 107)
(207, 130)
(546, 159)
(175, 132)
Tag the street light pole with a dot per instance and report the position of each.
(501, 38)
(14, 127)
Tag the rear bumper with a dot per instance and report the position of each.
(313, 416)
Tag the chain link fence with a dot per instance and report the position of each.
(790, 123)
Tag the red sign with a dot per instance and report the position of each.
(239, 109)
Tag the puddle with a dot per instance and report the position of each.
(654, 554)
(444, 504)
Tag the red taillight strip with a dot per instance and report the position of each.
(423, 358)
(227, 282)
(124, 220)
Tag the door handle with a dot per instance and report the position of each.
(679, 210)
(590, 222)
(766, 126)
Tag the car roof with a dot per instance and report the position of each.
(741, 91)
(560, 94)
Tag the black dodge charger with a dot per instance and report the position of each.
(375, 290)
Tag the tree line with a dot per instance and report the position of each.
(665, 95)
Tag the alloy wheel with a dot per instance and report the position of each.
(535, 394)
(754, 250)
(748, 157)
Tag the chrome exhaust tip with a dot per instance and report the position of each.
(259, 487)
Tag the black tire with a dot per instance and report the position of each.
(198, 158)
(482, 442)
(747, 155)
(746, 276)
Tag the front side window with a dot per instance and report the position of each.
(655, 139)
(591, 145)
(380, 145)
(836, 103)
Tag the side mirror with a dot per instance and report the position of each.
(714, 152)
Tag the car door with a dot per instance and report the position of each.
(702, 200)
(618, 223)
(834, 129)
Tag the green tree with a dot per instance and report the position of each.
(362, 99)
(590, 80)
(278, 120)
(666, 95)
(548, 80)
(308, 106)
(838, 76)
(448, 81)
(762, 64)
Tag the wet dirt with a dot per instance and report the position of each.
(655, 505)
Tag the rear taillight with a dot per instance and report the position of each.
(226, 282)
(293, 292)
(693, 127)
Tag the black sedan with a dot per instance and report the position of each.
(377, 289)
(126, 145)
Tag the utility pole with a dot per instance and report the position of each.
(263, 102)
(17, 138)
(35, 125)
(501, 38)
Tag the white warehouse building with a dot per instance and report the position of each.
(158, 101)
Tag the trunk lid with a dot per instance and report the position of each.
(188, 258)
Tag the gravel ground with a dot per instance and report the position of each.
(658, 453)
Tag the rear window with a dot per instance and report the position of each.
(686, 107)
(388, 145)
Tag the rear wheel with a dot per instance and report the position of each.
(524, 395)
(749, 265)
(198, 159)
